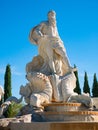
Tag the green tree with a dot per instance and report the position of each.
(95, 87)
(86, 88)
(7, 88)
(77, 88)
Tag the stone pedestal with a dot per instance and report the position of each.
(54, 126)
(57, 116)
(63, 107)
(65, 112)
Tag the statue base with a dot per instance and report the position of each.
(56, 116)
(54, 126)
(63, 107)
(65, 112)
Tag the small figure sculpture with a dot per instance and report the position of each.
(83, 98)
(1, 92)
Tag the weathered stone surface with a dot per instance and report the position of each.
(65, 112)
(52, 126)
(1, 92)
(69, 116)
(55, 126)
(5, 121)
(50, 75)
(53, 112)
(95, 102)
(62, 107)
(28, 109)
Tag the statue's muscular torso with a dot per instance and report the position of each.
(47, 29)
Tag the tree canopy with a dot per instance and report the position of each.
(86, 88)
(95, 86)
(77, 88)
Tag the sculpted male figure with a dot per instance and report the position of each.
(46, 28)
(51, 47)
(52, 62)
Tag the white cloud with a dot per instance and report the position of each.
(2, 70)
(88, 74)
(81, 75)
(13, 71)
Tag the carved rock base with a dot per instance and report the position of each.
(63, 107)
(65, 112)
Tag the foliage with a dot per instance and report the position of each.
(7, 88)
(86, 88)
(77, 88)
(15, 108)
(95, 87)
(7, 82)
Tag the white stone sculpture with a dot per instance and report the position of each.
(63, 86)
(83, 98)
(52, 59)
(50, 46)
(50, 75)
(1, 92)
(38, 91)
(3, 108)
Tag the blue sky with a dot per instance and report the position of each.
(77, 22)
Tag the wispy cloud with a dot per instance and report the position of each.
(2, 70)
(88, 74)
(13, 71)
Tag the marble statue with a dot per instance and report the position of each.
(1, 92)
(38, 91)
(52, 63)
(50, 75)
(83, 98)
(50, 47)
(63, 86)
